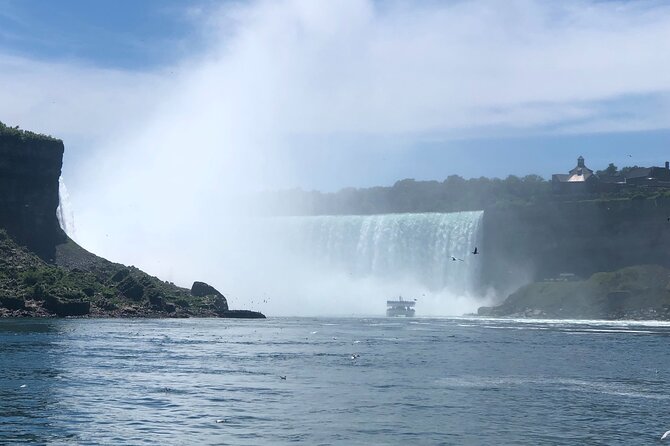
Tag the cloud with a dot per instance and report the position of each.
(77, 103)
(296, 67)
(160, 158)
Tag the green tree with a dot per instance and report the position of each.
(610, 171)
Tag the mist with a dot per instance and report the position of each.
(163, 164)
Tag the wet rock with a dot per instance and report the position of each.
(67, 308)
(12, 303)
(242, 314)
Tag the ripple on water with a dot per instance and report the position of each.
(437, 381)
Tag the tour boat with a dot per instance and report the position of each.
(400, 307)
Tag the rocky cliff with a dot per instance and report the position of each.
(635, 292)
(527, 243)
(44, 273)
(30, 166)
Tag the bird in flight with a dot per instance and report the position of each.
(453, 259)
(475, 251)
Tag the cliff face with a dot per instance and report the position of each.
(30, 166)
(44, 273)
(529, 243)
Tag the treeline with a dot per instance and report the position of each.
(451, 195)
(16, 132)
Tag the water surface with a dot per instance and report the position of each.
(420, 381)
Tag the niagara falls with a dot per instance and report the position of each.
(352, 222)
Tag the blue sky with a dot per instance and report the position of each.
(134, 49)
(123, 34)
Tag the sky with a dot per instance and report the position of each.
(171, 111)
(360, 93)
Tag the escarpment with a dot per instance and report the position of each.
(30, 166)
(43, 273)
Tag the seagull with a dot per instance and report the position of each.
(22, 386)
(665, 435)
(220, 421)
(453, 259)
(475, 251)
(283, 377)
(354, 356)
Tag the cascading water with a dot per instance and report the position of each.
(349, 265)
(64, 210)
(418, 247)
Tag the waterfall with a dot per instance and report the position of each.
(416, 247)
(64, 210)
(347, 265)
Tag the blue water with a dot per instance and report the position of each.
(421, 381)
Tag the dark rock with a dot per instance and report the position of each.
(12, 303)
(30, 166)
(107, 305)
(242, 314)
(220, 304)
(129, 311)
(156, 300)
(131, 288)
(201, 289)
(67, 308)
(170, 308)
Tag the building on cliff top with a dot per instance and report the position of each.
(649, 176)
(581, 179)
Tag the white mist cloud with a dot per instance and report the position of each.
(159, 159)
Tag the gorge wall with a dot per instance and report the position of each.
(30, 166)
(533, 242)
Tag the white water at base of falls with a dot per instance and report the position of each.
(64, 210)
(350, 265)
(416, 247)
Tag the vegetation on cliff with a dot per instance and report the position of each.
(87, 285)
(23, 135)
(636, 292)
(454, 194)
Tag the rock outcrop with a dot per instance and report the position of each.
(30, 166)
(44, 273)
(218, 303)
(637, 292)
